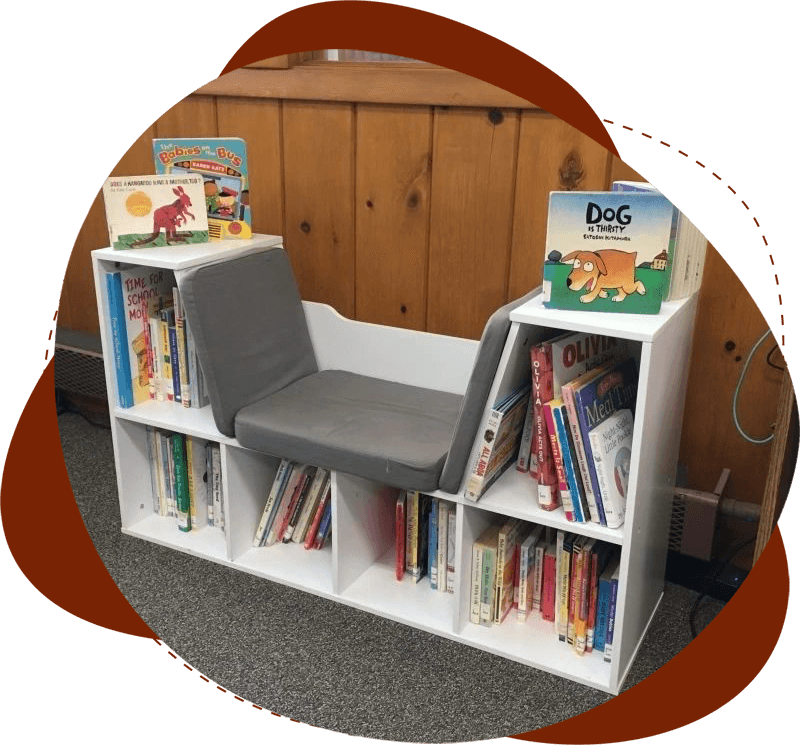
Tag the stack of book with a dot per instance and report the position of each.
(186, 479)
(522, 571)
(298, 507)
(154, 351)
(425, 540)
(581, 426)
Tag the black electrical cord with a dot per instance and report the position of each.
(732, 554)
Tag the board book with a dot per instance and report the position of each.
(221, 162)
(147, 211)
(608, 251)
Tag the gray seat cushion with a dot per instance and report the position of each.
(393, 433)
(249, 328)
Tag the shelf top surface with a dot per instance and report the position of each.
(636, 326)
(183, 257)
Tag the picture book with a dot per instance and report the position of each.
(611, 443)
(221, 162)
(608, 251)
(147, 211)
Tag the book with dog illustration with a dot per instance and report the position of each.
(147, 211)
(221, 162)
(608, 251)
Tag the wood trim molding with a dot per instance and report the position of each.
(428, 86)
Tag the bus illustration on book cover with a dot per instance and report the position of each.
(608, 251)
(222, 164)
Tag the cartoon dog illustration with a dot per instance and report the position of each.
(600, 271)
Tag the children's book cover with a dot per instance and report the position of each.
(147, 211)
(607, 251)
(222, 164)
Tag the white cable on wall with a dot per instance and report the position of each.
(754, 440)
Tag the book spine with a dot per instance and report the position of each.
(571, 476)
(311, 533)
(576, 568)
(286, 515)
(591, 615)
(412, 532)
(542, 389)
(523, 604)
(477, 579)
(601, 622)
(190, 472)
(218, 496)
(278, 482)
(174, 364)
(314, 495)
(563, 488)
(580, 453)
(612, 612)
(433, 544)
(297, 508)
(166, 358)
(155, 339)
(499, 573)
(183, 360)
(209, 485)
(564, 554)
(538, 572)
(451, 549)
(324, 528)
(119, 340)
(160, 483)
(488, 575)
(548, 610)
(181, 482)
(441, 548)
(149, 352)
(151, 449)
(400, 537)
(475, 482)
(524, 462)
(587, 449)
(582, 604)
(191, 361)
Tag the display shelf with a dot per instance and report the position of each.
(357, 566)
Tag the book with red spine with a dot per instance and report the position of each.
(563, 487)
(288, 512)
(311, 533)
(400, 537)
(548, 603)
(542, 391)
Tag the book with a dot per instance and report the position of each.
(524, 462)
(575, 571)
(527, 572)
(119, 340)
(607, 251)
(608, 651)
(499, 443)
(217, 493)
(412, 533)
(221, 165)
(549, 571)
(507, 544)
(571, 471)
(196, 470)
(611, 442)
(288, 503)
(400, 537)
(562, 589)
(687, 246)
(318, 489)
(275, 493)
(451, 549)
(433, 545)
(313, 528)
(174, 363)
(565, 490)
(600, 557)
(183, 507)
(296, 508)
(482, 574)
(324, 527)
(604, 392)
(145, 211)
(582, 595)
(604, 603)
(554, 364)
(181, 355)
(443, 539)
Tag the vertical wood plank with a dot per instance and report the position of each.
(258, 122)
(77, 309)
(553, 156)
(472, 190)
(392, 211)
(728, 324)
(621, 171)
(194, 116)
(319, 177)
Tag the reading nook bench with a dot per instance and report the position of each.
(404, 425)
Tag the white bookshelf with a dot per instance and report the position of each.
(357, 566)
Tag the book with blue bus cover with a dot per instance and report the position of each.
(608, 251)
(221, 162)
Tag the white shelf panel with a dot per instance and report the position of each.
(172, 416)
(514, 495)
(634, 326)
(412, 603)
(291, 564)
(183, 257)
(206, 543)
(536, 643)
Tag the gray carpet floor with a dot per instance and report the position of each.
(324, 663)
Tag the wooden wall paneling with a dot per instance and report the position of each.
(258, 122)
(194, 116)
(621, 171)
(472, 196)
(392, 207)
(318, 162)
(553, 156)
(77, 308)
(728, 324)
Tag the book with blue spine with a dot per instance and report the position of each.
(612, 614)
(568, 460)
(119, 340)
(607, 251)
(175, 362)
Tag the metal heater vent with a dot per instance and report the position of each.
(79, 371)
(678, 522)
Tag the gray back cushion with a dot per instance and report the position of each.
(249, 328)
(490, 349)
